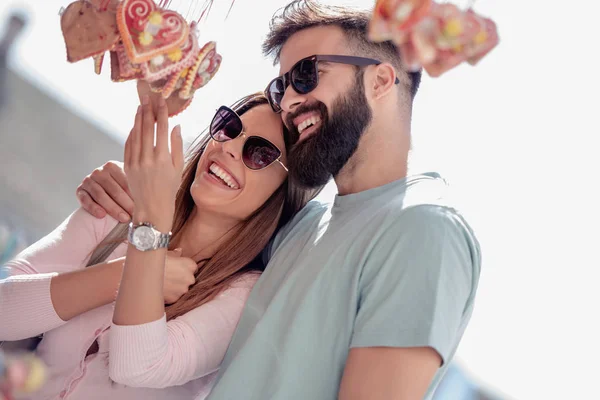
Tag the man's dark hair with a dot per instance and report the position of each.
(304, 14)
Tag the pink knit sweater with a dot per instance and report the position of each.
(158, 360)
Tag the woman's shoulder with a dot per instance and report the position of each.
(245, 280)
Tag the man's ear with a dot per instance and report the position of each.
(383, 80)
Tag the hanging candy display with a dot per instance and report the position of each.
(146, 42)
(433, 36)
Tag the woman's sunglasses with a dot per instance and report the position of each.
(257, 153)
(304, 76)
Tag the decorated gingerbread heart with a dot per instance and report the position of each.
(148, 31)
(173, 62)
(455, 29)
(175, 104)
(484, 40)
(440, 39)
(102, 5)
(87, 31)
(120, 68)
(436, 37)
(127, 69)
(425, 39)
(202, 71)
(393, 19)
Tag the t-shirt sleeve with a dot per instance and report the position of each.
(417, 282)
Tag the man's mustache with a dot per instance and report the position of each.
(304, 108)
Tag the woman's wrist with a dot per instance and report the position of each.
(162, 220)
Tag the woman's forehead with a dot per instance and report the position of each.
(262, 121)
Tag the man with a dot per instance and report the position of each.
(367, 298)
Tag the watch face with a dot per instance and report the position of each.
(143, 238)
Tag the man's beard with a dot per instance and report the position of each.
(324, 153)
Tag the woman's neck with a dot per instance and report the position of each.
(202, 234)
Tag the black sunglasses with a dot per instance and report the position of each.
(304, 76)
(258, 152)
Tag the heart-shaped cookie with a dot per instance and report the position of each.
(173, 62)
(116, 73)
(87, 31)
(126, 67)
(148, 31)
(203, 70)
(175, 104)
(392, 19)
(105, 4)
(484, 41)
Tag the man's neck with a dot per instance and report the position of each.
(381, 158)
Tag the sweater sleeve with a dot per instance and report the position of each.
(160, 354)
(26, 308)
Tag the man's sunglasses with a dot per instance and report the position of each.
(257, 153)
(304, 76)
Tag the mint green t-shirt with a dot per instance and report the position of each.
(393, 266)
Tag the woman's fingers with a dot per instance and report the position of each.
(135, 144)
(127, 150)
(177, 148)
(147, 135)
(162, 127)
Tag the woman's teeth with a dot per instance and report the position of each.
(308, 122)
(223, 175)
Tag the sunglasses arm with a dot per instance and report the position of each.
(280, 163)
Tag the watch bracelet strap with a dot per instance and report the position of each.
(163, 240)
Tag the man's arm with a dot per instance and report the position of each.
(105, 191)
(382, 373)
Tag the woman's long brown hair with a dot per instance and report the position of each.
(234, 257)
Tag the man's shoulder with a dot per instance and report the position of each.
(427, 198)
(313, 211)
(302, 222)
(428, 209)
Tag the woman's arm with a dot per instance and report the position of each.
(48, 283)
(161, 354)
(154, 176)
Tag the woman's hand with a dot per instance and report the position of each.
(153, 172)
(179, 276)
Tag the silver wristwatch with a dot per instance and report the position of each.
(145, 237)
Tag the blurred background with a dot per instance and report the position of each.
(516, 137)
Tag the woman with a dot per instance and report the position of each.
(222, 209)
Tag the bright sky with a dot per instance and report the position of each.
(517, 136)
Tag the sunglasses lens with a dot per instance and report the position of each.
(275, 91)
(226, 125)
(305, 76)
(259, 153)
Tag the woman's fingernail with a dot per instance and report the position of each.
(123, 217)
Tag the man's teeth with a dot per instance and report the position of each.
(225, 177)
(308, 122)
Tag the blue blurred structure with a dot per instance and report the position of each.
(456, 385)
(15, 26)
